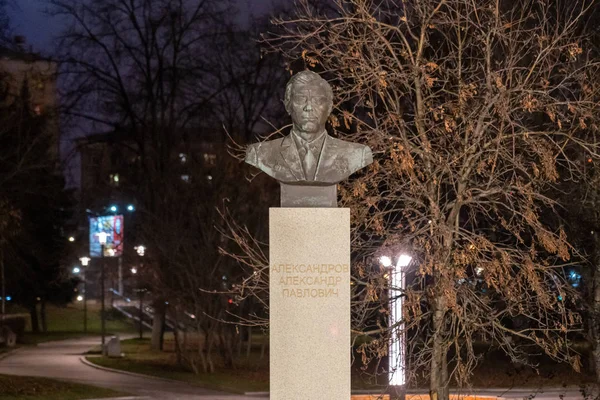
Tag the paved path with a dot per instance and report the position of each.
(61, 360)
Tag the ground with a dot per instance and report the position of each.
(29, 388)
(250, 375)
(61, 360)
(67, 322)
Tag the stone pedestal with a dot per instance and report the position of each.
(309, 303)
(113, 347)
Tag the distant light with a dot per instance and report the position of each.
(183, 158)
(209, 177)
(574, 275)
(192, 316)
(79, 298)
(116, 178)
(560, 298)
(385, 261)
(166, 302)
(111, 252)
(8, 298)
(230, 301)
(76, 270)
(113, 208)
(85, 261)
(479, 271)
(134, 270)
(71, 239)
(141, 250)
(404, 260)
(185, 178)
(130, 207)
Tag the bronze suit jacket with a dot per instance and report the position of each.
(279, 159)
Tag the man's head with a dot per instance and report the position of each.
(308, 100)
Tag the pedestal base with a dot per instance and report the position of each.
(309, 303)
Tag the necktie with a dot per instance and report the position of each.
(309, 162)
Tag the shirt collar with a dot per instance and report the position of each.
(314, 143)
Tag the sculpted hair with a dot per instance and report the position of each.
(303, 78)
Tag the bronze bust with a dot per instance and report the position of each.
(308, 162)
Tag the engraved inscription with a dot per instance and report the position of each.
(323, 280)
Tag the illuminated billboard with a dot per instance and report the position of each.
(112, 227)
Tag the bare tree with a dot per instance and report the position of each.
(140, 69)
(165, 76)
(474, 110)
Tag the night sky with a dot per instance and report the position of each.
(28, 19)
(40, 30)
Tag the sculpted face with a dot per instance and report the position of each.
(309, 108)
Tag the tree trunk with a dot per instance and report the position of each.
(438, 383)
(595, 309)
(43, 316)
(249, 343)
(263, 347)
(226, 347)
(202, 344)
(158, 322)
(178, 346)
(35, 325)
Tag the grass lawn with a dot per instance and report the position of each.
(139, 358)
(30, 388)
(495, 371)
(67, 323)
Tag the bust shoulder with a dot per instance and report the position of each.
(257, 151)
(359, 153)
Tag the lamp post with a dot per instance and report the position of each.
(102, 239)
(397, 345)
(141, 250)
(84, 263)
(3, 280)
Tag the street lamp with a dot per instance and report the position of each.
(84, 263)
(141, 250)
(397, 345)
(102, 239)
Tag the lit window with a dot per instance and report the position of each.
(114, 179)
(210, 159)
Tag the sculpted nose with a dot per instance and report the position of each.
(308, 106)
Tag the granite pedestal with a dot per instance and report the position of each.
(309, 303)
